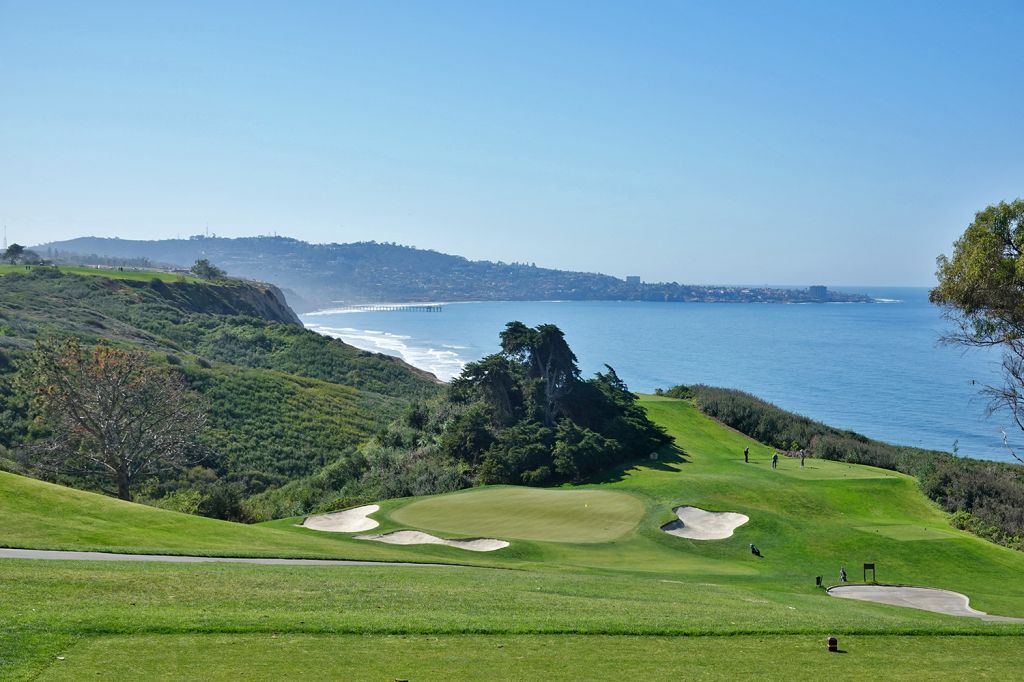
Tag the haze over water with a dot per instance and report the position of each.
(875, 368)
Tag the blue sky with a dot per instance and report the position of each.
(708, 143)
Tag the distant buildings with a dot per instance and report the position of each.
(818, 293)
(633, 279)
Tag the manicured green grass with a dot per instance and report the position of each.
(47, 605)
(536, 657)
(41, 515)
(909, 532)
(527, 514)
(136, 275)
(612, 607)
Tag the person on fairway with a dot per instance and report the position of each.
(803, 454)
(754, 550)
(746, 454)
(775, 460)
(842, 574)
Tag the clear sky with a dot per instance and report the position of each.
(840, 143)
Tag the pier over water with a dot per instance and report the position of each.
(383, 307)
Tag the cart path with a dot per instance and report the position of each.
(55, 555)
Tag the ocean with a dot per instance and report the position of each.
(878, 369)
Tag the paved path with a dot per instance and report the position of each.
(926, 598)
(174, 559)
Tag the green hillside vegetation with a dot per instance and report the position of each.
(986, 498)
(110, 273)
(575, 607)
(282, 401)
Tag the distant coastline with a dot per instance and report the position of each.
(315, 277)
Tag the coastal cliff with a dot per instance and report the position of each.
(227, 297)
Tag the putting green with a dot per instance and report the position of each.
(908, 532)
(827, 470)
(508, 512)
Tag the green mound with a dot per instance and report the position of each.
(39, 515)
(575, 516)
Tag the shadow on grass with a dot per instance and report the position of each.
(669, 459)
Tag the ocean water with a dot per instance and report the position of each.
(875, 368)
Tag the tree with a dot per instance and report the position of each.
(30, 257)
(206, 270)
(13, 253)
(546, 356)
(112, 416)
(495, 379)
(580, 451)
(981, 289)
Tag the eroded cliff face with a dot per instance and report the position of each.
(269, 302)
(231, 297)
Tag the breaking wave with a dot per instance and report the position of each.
(442, 363)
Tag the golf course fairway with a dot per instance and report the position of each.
(584, 591)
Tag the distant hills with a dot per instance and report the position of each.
(321, 275)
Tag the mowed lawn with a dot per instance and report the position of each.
(583, 594)
(359, 658)
(506, 512)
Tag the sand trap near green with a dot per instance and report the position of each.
(577, 516)
(345, 521)
(415, 537)
(700, 524)
(925, 598)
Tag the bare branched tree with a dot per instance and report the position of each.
(111, 414)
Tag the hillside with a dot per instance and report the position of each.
(594, 589)
(319, 275)
(282, 402)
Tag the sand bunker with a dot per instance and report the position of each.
(415, 537)
(698, 524)
(353, 520)
(925, 598)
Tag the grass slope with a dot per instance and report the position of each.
(610, 608)
(39, 515)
